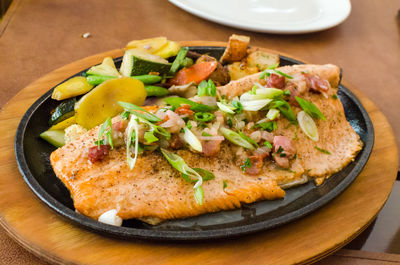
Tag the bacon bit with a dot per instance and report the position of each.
(119, 126)
(184, 109)
(211, 148)
(293, 94)
(163, 120)
(256, 165)
(317, 84)
(286, 145)
(276, 81)
(98, 153)
(175, 142)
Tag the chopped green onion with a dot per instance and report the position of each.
(180, 57)
(255, 105)
(125, 115)
(266, 72)
(189, 125)
(284, 107)
(157, 129)
(261, 93)
(308, 126)
(322, 150)
(205, 134)
(272, 114)
(310, 109)
(247, 164)
(106, 131)
(176, 102)
(149, 137)
(248, 139)
(268, 144)
(286, 93)
(207, 88)
(199, 195)
(253, 90)
(204, 173)
(335, 96)
(204, 116)
(139, 112)
(192, 140)
(226, 108)
(235, 138)
(283, 74)
(179, 164)
(224, 184)
(132, 128)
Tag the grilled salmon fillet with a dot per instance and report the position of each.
(155, 190)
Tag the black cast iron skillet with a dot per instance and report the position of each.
(32, 154)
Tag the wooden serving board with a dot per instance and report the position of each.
(309, 239)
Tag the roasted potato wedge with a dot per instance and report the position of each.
(236, 49)
(238, 70)
(262, 59)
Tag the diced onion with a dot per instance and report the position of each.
(111, 218)
(192, 140)
(308, 126)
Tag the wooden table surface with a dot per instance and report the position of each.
(38, 36)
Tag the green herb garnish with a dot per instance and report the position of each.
(204, 116)
(205, 134)
(335, 96)
(310, 109)
(238, 106)
(229, 122)
(235, 138)
(268, 126)
(322, 150)
(266, 73)
(224, 184)
(268, 144)
(248, 139)
(247, 164)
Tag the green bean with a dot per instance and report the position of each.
(156, 91)
(148, 79)
(98, 79)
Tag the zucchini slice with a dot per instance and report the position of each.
(137, 62)
(55, 137)
(64, 111)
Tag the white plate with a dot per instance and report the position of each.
(273, 16)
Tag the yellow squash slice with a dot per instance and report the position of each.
(102, 102)
(71, 88)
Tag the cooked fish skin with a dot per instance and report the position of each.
(235, 88)
(153, 190)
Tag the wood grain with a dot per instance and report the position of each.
(47, 235)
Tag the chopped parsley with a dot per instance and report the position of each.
(238, 106)
(247, 164)
(268, 126)
(268, 144)
(224, 184)
(229, 122)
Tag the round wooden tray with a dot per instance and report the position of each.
(309, 239)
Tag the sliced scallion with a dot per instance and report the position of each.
(235, 138)
(192, 140)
